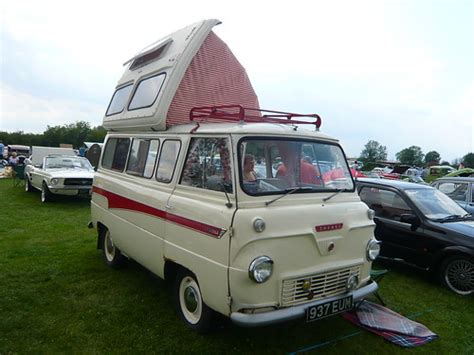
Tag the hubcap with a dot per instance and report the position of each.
(190, 300)
(109, 247)
(460, 276)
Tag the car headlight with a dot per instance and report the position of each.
(370, 214)
(261, 269)
(373, 249)
(54, 181)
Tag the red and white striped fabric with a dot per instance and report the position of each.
(214, 77)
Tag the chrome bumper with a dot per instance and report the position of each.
(294, 312)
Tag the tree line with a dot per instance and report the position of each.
(75, 133)
(79, 132)
(374, 152)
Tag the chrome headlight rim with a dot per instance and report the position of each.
(373, 249)
(256, 264)
(54, 181)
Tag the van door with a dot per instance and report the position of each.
(199, 217)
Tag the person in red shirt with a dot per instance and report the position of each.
(308, 173)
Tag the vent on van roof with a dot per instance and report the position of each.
(148, 56)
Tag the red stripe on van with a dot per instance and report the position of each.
(119, 202)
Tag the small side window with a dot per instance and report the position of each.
(167, 162)
(119, 99)
(147, 91)
(386, 204)
(208, 164)
(142, 157)
(115, 153)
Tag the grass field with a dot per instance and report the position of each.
(57, 296)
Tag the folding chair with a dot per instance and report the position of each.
(377, 276)
(18, 175)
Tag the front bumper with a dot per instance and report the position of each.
(70, 189)
(294, 312)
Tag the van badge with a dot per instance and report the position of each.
(306, 285)
(328, 227)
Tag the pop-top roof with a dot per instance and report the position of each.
(162, 83)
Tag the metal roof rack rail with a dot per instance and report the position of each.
(251, 115)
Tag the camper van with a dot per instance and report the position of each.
(176, 191)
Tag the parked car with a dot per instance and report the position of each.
(465, 172)
(61, 175)
(460, 189)
(437, 171)
(422, 227)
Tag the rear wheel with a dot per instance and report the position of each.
(113, 257)
(46, 195)
(189, 303)
(457, 274)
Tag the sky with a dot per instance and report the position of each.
(400, 72)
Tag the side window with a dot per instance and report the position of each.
(457, 191)
(207, 164)
(117, 104)
(147, 92)
(115, 153)
(167, 162)
(386, 204)
(141, 161)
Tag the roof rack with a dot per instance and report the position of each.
(245, 114)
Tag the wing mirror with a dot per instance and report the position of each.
(410, 219)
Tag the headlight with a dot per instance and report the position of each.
(373, 249)
(54, 181)
(261, 269)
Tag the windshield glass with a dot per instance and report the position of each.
(67, 163)
(272, 166)
(434, 204)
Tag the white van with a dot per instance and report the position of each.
(176, 190)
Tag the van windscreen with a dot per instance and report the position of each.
(274, 166)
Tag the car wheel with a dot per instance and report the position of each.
(189, 303)
(457, 274)
(113, 257)
(46, 195)
(28, 187)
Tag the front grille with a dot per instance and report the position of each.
(322, 286)
(80, 182)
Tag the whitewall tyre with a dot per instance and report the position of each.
(112, 255)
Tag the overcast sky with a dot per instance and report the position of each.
(398, 72)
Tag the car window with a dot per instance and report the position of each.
(141, 161)
(167, 162)
(119, 99)
(115, 153)
(208, 164)
(457, 191)
(385, 203)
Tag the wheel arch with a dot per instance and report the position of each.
(101, 229)
(450, 252)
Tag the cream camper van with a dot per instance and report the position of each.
(229, 201)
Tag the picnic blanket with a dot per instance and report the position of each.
(390, 325)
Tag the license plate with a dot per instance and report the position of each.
(329, 308)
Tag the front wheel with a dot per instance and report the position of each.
(46, 195)
(28, 187)
(457, 274)
(113, 257)
(189, 303)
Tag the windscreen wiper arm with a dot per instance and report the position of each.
(289, 191)
(338, 191)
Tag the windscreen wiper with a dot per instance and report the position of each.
(453, 217)
(338, 191)
(289, 191)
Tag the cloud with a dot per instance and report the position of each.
(28, 113)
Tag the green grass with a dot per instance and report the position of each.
(57, 296)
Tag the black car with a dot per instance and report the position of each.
(421, 226)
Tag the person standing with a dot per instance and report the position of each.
(13, 160)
